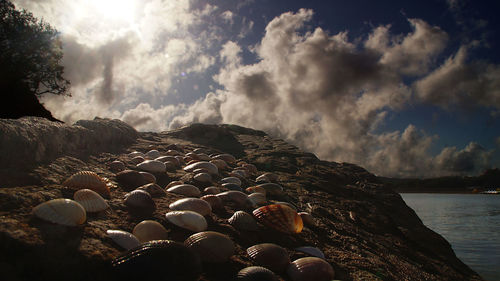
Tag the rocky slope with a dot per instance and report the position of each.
(364, 229)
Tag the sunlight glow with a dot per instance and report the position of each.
(118, 10)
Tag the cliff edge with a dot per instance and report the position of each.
(364, 229)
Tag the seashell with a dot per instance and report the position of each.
(185, 189)
(198, 150)
(148, 177)
(138, 159)
(187, 219)
(243, 221)
(117, 166)
(140, 200)
(270, 256)
(228, 158)
(61, 211)
(313, 251)
(200, 206)
(211, 168)
(214, 201)
(89, 180)
(286, 204)
(212, 190)
(124, 239)
(310, 268)
(168, 158)
(239, 173)
(152, 166)
(190, 161)
(233, 180)
(221, 164)
(135, 154)
(193, 156)
(203, 157)
(174, 183)
(272, 188)
(307, 218)
(213, 247)
(130, 180)
(232, 186)
(237, 197)
(279, 217)
(256, 189)
(250, 168)
(256, 273)
(149, 230)
(201, 170)
(258, 198)
(267, 177)
(152, 154)
(180, 159)
(202, 177)
(153, 189)
(173, 152)
(164, 259)
(90, 200)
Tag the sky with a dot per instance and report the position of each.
(401, 88)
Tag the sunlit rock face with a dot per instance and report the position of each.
(364, 229)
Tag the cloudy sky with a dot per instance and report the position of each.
(402, 89)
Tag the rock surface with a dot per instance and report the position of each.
(365, 230)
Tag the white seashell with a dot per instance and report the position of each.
(168, 158)
(172, 152)
(313, 251)
(90, 200)
(203, 177)
(152, 166)
(258, 198)
(152, 154)
(149, 230)
(243, 221)
(233, 180)
(135, 154)
(200, 206)
(61, 211)
(187, 219)
(185, 189)
(211, 168)
(124, 239)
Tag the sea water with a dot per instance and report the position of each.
(470, 223)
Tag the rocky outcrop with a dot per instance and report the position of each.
(365, 230)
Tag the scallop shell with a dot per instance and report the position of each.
(152, 154)
(90, 200)
(258, 198)
(124, 239)
(214, 201)
(200, 206)
(232, 186)
(213, 247)
(221, 164)
(135, 154)
(149, 230)
(140, 200)
(164, 259)
(272, 188)
(228, 158)
(153, 189)
(307, 218)
(89, 180)
(310, 268)
(203, 177)
(185, 189)
(211, 168)
(136, 160)
(61, 211)
(243, 221)
(270, 256)
(148, 177)
(117, 166)
(256, 189)
(256, 273)
(238, 197)
(130, 180)
(187, 219)
(211, 190)
(152, 166)
(233, 180)
(279, 217)
(313, 251)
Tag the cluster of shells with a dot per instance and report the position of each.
(212, 185)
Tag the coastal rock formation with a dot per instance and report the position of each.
(364, 229)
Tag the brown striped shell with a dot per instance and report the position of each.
(149, 230)
(187, 219)
(140, 200)
(89, 180)
(310, 268)
(270, 256)
(61, 211)
(211, 246)
(243, 221)
(90, 200)
(200, 206)
(256, 273)
(185, 189)
(279, 217)
(124, 239)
